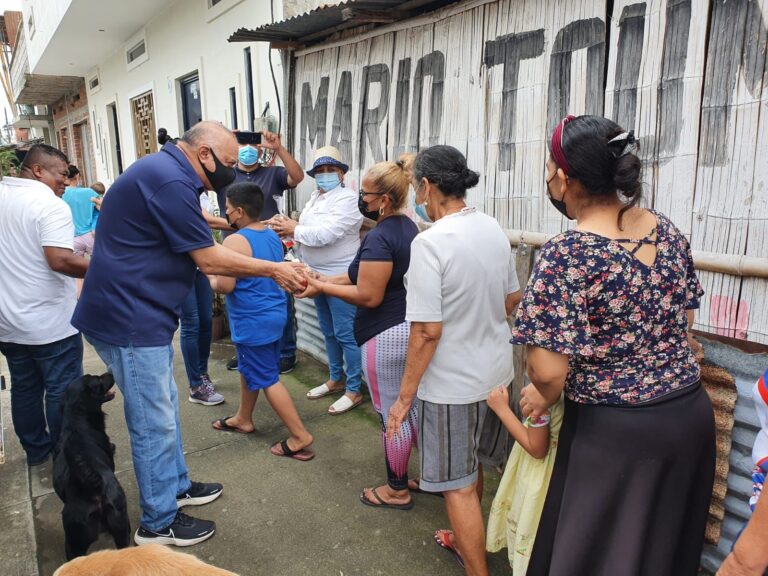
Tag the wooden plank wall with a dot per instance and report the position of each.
(493, 77)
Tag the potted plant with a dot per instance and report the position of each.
(219, 320)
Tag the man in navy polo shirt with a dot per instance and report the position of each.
(273, 181)
(152, 235)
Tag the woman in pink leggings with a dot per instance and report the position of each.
(374, 283)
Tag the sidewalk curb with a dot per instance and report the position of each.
(17, 538)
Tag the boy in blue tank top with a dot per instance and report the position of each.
(257, 315)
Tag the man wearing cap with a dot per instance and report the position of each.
(254, 164)
(152, 236)
(328, 237)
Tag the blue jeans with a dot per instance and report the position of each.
(288, 339)
(196, 312)
(40, 375)
(150, 397)
(337, 319)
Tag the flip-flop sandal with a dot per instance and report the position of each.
(343, 404)
(224, 427)
(379, 503)
(442, 538)
(301, 455)
(418, 490)
(322, 391)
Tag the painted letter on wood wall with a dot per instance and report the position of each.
(341, 133)
(508, 51)
(432, 65)
(737, 44)
(313, 118)
(373, 117)
(589, 34)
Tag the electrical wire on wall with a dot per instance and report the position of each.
(272, 71)
(290, 204)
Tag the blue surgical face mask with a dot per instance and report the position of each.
(421, 209)
(327, 181)
(247, 156)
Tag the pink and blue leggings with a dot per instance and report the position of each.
(383, 358)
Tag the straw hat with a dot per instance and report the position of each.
(327, 156)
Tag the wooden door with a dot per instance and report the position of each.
(86, 156)
(144, 131)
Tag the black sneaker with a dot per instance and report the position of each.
(287, 364)
(199, 493)
(232, 364)
(183, 531)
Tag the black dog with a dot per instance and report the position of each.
(84, 470)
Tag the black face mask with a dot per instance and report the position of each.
(233, 224)
(558, 204)
(362, 205)
(221, 176)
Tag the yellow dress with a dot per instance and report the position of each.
(518, 503)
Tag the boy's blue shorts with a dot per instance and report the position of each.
(259, 365)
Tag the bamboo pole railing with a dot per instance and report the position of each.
(731, 264)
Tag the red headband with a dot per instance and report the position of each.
(557, 144)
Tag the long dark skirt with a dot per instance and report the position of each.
(630, 491)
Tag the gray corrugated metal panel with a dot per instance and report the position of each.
(746, 368)
(331, 19)
(309, 337)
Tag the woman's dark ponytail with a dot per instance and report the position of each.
(602, 156)
(447, 169)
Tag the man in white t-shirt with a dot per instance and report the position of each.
(38, 266)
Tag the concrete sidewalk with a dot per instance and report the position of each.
(18, 555)
(277, 516)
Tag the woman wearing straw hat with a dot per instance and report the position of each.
(328, 237)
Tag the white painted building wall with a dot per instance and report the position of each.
(46, 16)
(294, 8)
(180, 41)
(183, 38)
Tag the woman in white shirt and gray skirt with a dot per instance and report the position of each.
(461, 286)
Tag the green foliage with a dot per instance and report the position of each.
(8, 163)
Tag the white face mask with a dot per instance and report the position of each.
(421, 209)
(327, 181)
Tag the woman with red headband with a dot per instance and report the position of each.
(605, 318)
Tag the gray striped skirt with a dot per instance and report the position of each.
(454, 439)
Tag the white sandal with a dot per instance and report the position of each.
(321, 391)
(344, 404)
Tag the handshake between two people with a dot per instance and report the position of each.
(310, 283)
(295, 276)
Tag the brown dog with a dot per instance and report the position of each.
(150, 560)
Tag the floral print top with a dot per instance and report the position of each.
(622, 323)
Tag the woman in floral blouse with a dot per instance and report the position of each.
(605, 317)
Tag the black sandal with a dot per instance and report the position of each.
(302, 455)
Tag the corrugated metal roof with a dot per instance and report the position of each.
(320, 23)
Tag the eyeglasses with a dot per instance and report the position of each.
(366, 193)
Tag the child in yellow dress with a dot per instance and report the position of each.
(517, 507)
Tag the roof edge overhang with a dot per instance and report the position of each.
(326, 22)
